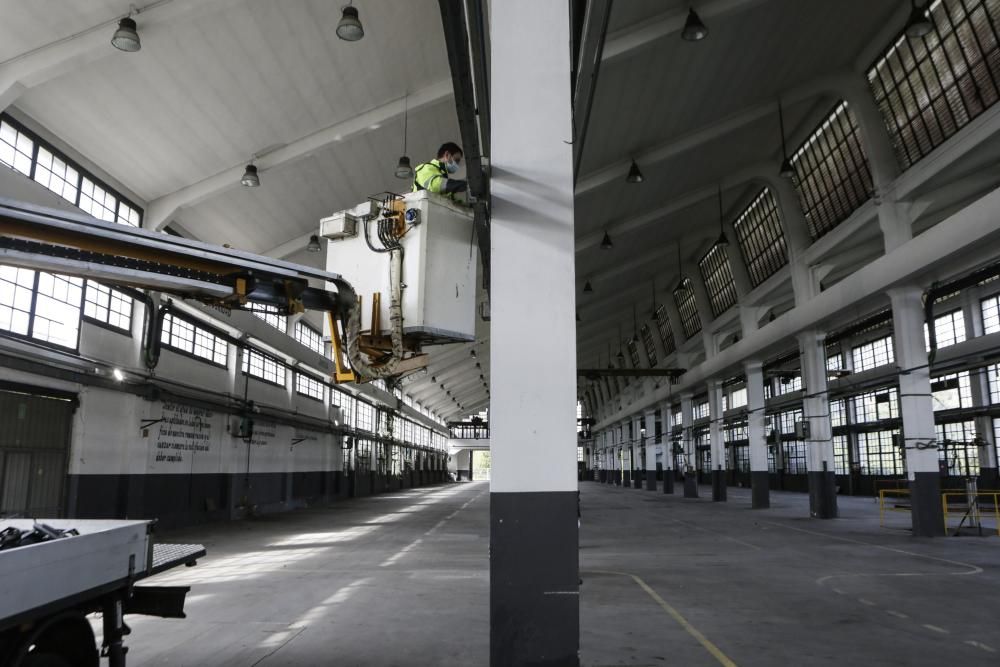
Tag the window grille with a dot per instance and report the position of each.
(928, 88)
(263, 366)
(309, 337)
(666, 331)
(646, 333)
(872, 355)
(183, 336)
(307, 385)
(833, 177)
(718, 277)
(270, 314)
(684, 298)
(108, 306)
(761, 238)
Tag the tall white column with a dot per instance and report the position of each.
(533, 490)
(667, 445)
(690, 474)
(760, 479)
(820, 461)
(649, 418)
(917, 409)
(717, 441)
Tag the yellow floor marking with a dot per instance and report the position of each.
(676, 615)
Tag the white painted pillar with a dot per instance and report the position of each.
(716, 441)
(690, 472)
(760, 479)
(917, 409)
(820, 461)
(649, 443)
(533, 488)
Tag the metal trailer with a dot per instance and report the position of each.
(48, 588)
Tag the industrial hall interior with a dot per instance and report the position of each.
(528, 333)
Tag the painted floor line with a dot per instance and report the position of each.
(897, 614)
(867, 602)
(980, 645)
(935, 628)
(716, 652)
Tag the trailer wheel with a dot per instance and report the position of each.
(64, 640)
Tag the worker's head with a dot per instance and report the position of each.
(450, 155)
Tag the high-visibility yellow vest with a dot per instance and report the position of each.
(430, 176)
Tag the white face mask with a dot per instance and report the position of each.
(451, 166)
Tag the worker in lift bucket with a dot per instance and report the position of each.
(435, 175)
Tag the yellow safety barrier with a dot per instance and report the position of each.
(892, 493)
(972, 511)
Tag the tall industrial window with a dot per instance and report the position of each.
(958, 447)
(366, 416)
(309, 386)
(666, 332)
(718, 277)
(263, 366)
(875, 406)
(878, 454)
(841, 458)
(699, 411)
(42, 306)
(991, 314)
(953, 391)
(838, 413)
(270, 314)
(929, 87)
(185, 337)
(794, 452)
(646, 332)
(832, 172)
(684, 298)
(108, 306)
(738, 398)
(309, 337)
(346, 403)
(948, 329)
(761, 238)
(872, 355)
(633, 351)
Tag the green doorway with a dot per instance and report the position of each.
(480, 466)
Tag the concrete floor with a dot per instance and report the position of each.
(403, 579)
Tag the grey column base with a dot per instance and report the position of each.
(534, 553)
(668, 481)
(690, 485)
(760, 489)
(718, 486)
(636, 480)
(925, 499)
(651, 480)
(626, 478)
(822, 494)
(989, 478)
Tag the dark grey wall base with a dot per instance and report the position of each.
(925, 499)
(180, 500)
(626, 478)
(636, 479)
(760, 485)
(823, 494)
(668, 481)
(690, 485)
(719, 486)
(989, 478)
(651, 480)
(534, 593)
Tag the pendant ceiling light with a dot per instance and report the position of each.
(126, 37)
(723, 240)
(786, 170)
(606, 243)
(634, 175)
(404, 169)
(694, 29)
(349, 29)
(314, 245)
(919, 23)
(250, 177)
(587, 288)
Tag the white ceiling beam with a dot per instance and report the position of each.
(44, 63)
(679, 145)
(627, 41)
(161, 210)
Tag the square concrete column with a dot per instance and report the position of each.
(690, 474)
(716, 441)
(666, 443)
(534, 572)
(820, 461)
(760, 478)
(917, 408)
(649, 418)
(638, 443)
